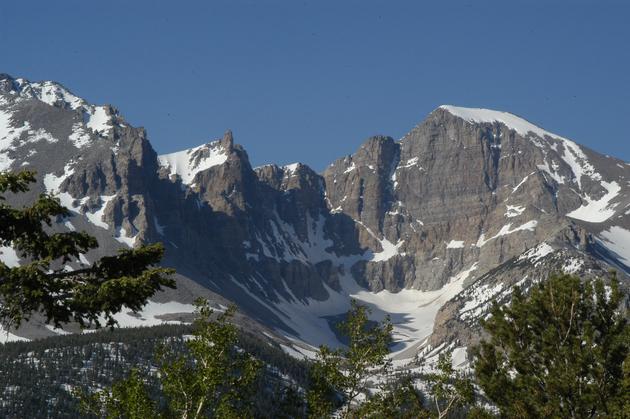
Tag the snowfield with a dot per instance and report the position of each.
(187, 163)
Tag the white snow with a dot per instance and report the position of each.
(572, 265)
(96, 216)
(536, 253)
(79, 136)
(514, 211)
(187, 163)
(577, 160)
(289, 350)
(455, 244)
(291, 168)
(388, 249)
(350, 168)
(479, 295)
(600, 210)
(552, 171)
(9, 257)
(148, 316)
(516, 188)
(56, 330)
(412, 311)
(459, 357)
(6, 336)
(479, 115)
(617, 240)
(52, 183)
(123, 236)
(572, 154)
(505, 230)
(8, 133)
(84, 259)
(411, 162)
(50, 93)
(99, 120)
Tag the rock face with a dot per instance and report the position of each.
(430, 229)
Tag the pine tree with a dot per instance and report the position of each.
(41, 284)
(449, 389)
(558, 352)
(213, 377)
(127, 399)
(343, 375)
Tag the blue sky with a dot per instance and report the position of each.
(311, 80)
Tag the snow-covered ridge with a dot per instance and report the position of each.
(571, 155)
(49, 92)
(187, 163)
(97, 118)
(480, 116)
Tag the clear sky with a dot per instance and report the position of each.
(311, 80)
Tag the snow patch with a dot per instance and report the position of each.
(459, 357)
(6, 336)
(187, 163)
(505, 230)
(536, 253)
(291, 169)
(9, 256)
(455, 244)
(8, 133)
(573, 265)
(52, 93)
(514, 211)
(516, 188)
(600, 210)
(389, 249)
(96, 216)
(411, 162)
(124, 237)
(99, 120)
(350, 168)
(79, 136)
(552, 171)
(149, 314)
(617, 240)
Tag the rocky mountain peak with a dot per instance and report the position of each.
(432, 227)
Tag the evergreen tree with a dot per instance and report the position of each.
(558, 352)
(398, 398)
(213, 377)
(449, 389)
(341, 376)
(128, 399)
(41, 284)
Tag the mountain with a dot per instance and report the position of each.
(430, 229)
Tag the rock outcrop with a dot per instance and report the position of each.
(433, 227)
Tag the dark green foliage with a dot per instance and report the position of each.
(38, 378)
(342, 375)
(127, 399)
(213, 377)
(449, 389)
(558, 352)
(399, 398)
(42, 285)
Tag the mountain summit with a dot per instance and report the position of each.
(430, 229)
